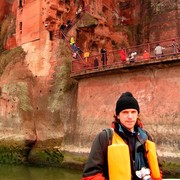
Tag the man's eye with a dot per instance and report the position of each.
(125, 112)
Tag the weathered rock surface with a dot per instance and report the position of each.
(44, 112)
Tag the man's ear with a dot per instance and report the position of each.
(118, 116)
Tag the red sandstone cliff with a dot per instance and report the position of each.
(41, 106)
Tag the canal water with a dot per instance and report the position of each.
(21, 172)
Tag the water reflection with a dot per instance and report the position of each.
(11, 172)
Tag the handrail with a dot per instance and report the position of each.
(63, 34)
(82, 65)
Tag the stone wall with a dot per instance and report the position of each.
(156, 88)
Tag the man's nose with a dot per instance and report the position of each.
(129, 115)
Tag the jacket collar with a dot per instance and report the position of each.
(141, 134)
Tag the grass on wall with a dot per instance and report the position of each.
(63, 82)
(10, 55)
(19, 90)
(62, 76)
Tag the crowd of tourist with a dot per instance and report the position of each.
(126, 55)
(129, 56)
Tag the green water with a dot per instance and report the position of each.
(21, 172)
(8, 172)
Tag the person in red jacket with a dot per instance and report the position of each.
(146, 55)
(125, 151)
(123, 55)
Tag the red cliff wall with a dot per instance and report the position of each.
(159, 20)
(27, 26)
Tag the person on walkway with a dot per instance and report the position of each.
(68, 24)
(104, 57)
(61, 29)
(74, 47)
(126, 151)
(123, 55)
(75, 54)
(96, 63)
(86, 55)
(78, 12)
(72, 40)
(146, 55)
(158, 51)
(132, 56)
(175, 46)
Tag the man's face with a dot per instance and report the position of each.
(128, 118)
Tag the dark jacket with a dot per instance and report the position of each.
(97, 161)
(104, 55)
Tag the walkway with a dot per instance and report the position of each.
(81, 67)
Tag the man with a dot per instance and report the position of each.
(124, 152)
(62, 29)
(175, 46)
(158, 51)
(104, 57)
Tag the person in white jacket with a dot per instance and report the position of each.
(158, 51)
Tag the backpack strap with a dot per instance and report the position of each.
(109, 134)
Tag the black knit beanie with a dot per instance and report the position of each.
(126, 101)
